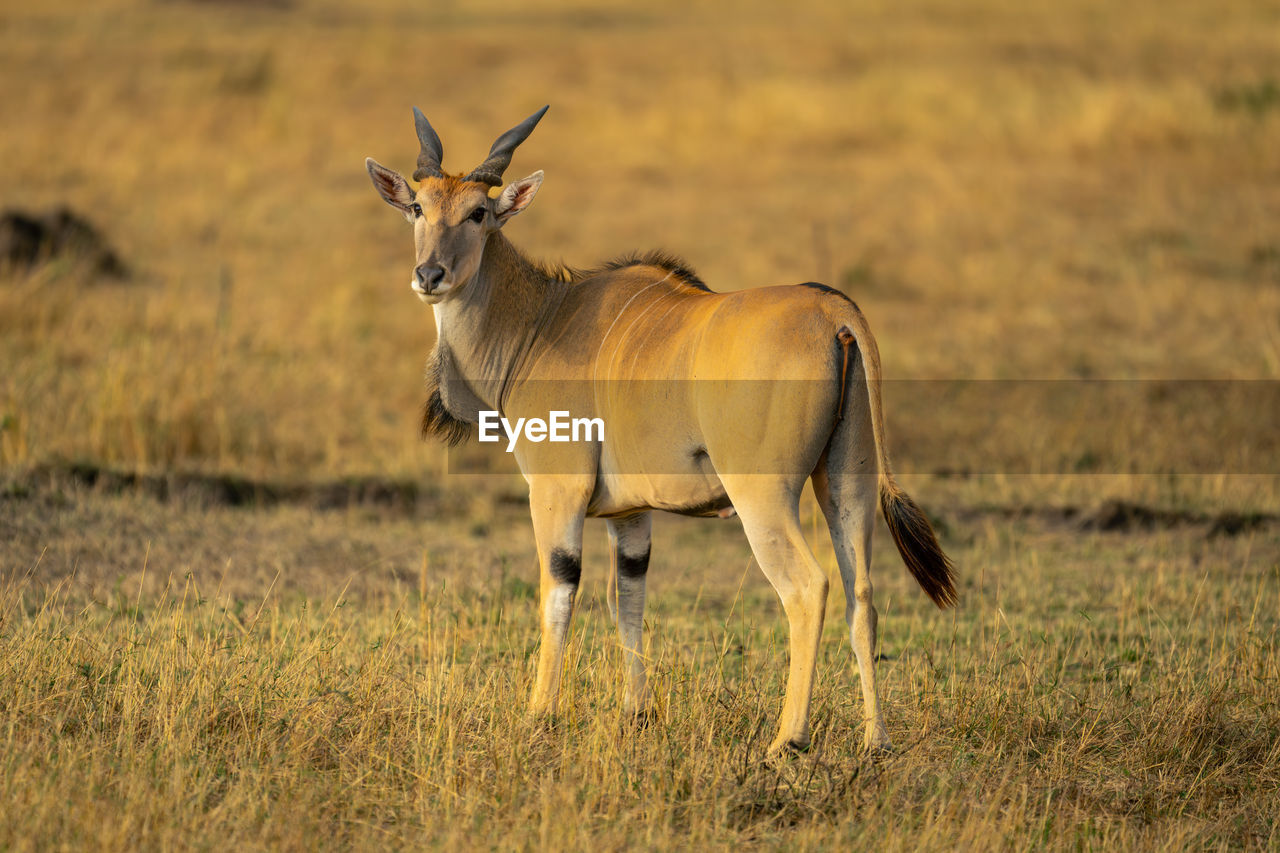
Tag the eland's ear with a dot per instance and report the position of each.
(516, 197)
(394, 189)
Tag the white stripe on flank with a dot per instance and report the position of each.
(609, 331)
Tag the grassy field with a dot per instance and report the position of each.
(181, 674)
(242, 604)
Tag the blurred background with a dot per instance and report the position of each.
(1062, 220)
(1084, 190)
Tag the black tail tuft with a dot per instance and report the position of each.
(918, 545)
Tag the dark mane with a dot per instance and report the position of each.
(672, 264)
(437, 420)
(826, 288)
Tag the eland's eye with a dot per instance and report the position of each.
(417, 209)
(477, 215)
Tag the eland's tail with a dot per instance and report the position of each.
(909, 526)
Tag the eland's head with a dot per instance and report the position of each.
(453, 215)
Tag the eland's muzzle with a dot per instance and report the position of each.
(427, 277)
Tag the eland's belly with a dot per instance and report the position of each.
(671, 479)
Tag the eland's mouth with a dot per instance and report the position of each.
(430, 295)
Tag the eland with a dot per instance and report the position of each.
(713, 404)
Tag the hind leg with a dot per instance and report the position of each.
(846, 483)
(851, 516)
(769, 512)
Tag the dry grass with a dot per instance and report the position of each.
(232, 685)
(1079, 191)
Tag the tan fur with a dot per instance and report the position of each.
(762, 392)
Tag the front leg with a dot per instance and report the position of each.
(558, 506)
(629, 562)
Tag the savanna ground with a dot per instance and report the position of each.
(241, 604)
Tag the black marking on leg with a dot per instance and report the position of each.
(566, 567)
(633, 567)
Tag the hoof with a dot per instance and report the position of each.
(786, 748)
(643, 718)
(545, 721)
(878, 746)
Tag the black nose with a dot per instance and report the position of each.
(429, 275)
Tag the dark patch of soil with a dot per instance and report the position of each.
(28, 240)
(227, 489)
(414, 498)
(1117, 516)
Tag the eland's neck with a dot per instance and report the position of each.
(488, 330)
